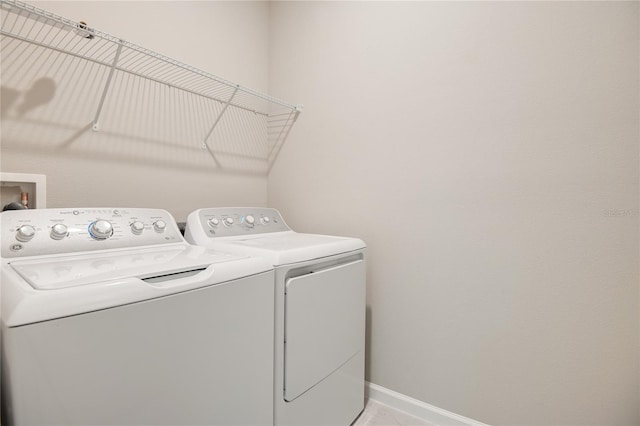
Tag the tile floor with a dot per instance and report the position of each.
(378, 414)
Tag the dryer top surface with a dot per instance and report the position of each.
(261, 232)
(283, 248)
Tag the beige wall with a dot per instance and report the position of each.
(142, 157)
(488, 154)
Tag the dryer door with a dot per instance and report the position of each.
(324, 324)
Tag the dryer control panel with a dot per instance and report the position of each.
(235, 221)
(52, 231)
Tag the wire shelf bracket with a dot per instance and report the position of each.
(96, 126)
(215, 123)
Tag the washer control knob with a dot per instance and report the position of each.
(265, 220)
(159, 226)
(250, 221)
(137, 227)
(228, 221)
(213, 222)
(25, 233)
(100, 229)
(59, 231)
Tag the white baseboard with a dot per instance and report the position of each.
(422, 410)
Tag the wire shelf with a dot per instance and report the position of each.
(233, 120)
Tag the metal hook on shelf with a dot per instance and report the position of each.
(84, 31)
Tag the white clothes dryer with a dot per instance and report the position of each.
(319, 310)
(109, 318)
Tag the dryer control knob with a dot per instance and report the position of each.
(159, 226)
(59, 231)
(265, 220)
(228, 221)
(25, 233)
(137, 227)
(101, 229)
(250, 221)
(213, 222)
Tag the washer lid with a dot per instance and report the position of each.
(282, 248)
(70, 271)
(60, 286)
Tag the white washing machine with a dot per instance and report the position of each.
(319, 310)
(109, 318)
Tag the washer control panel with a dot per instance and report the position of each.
(51, 231)
(233, 221)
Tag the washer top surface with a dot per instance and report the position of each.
(51, 271)
(248, 233)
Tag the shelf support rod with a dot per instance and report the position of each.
(96, 126)
(215, 123)
(272, 159)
